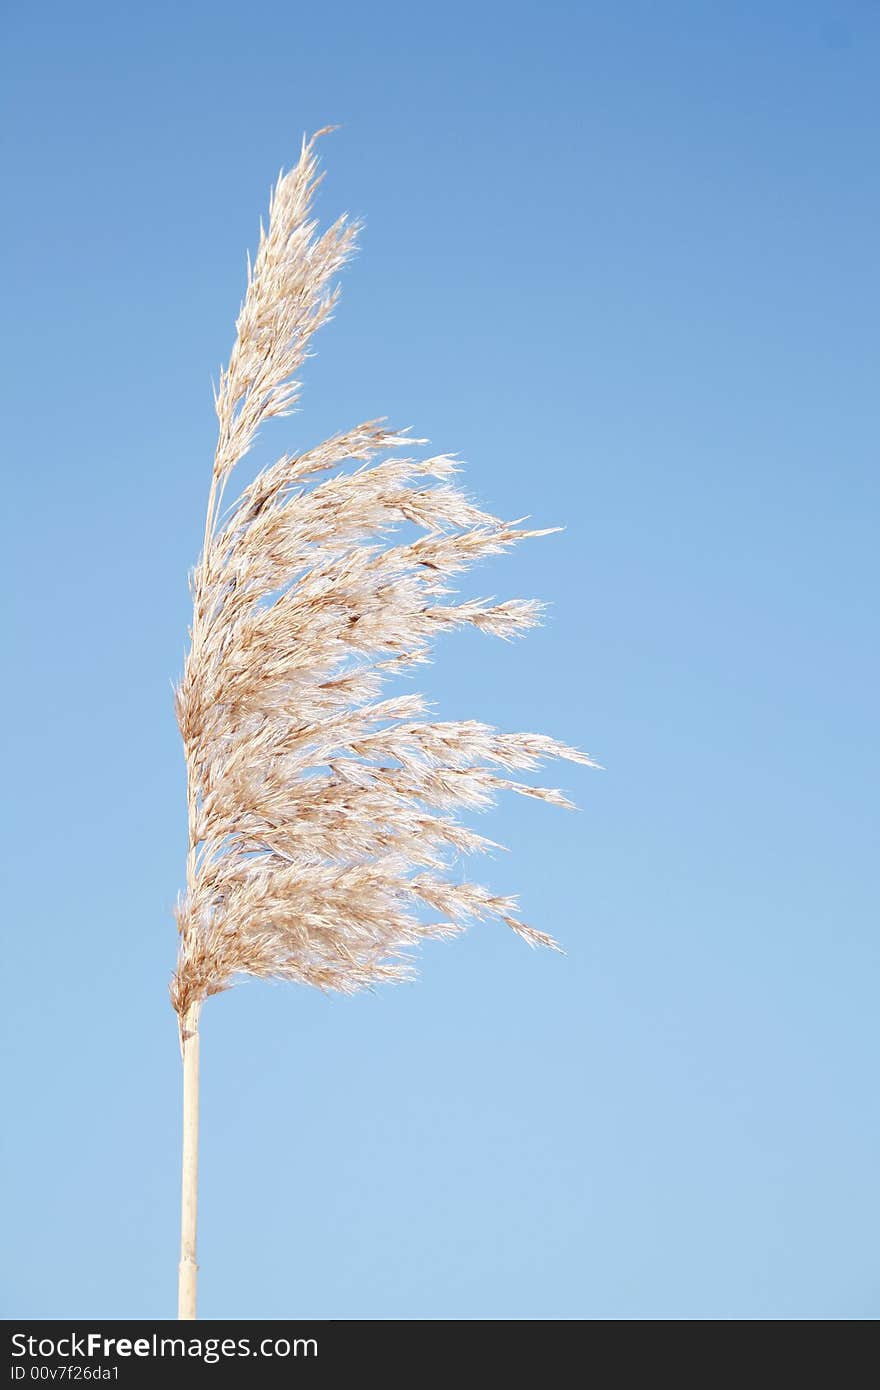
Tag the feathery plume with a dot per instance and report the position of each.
(323, 812)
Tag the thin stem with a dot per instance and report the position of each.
(188, 1273)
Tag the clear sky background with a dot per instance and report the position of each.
(623, 257)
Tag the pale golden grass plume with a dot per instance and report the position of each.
(323, 811)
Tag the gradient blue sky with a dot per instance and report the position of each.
(623, 257)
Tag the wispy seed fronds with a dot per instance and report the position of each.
(323, 814)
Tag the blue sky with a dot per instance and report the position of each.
(623, 259)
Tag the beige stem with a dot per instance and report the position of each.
(188, 1273)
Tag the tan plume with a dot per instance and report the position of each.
(322, 813)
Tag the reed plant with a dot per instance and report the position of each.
(324, 810)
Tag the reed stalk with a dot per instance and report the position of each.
(188, 1270)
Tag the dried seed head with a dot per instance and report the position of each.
(321, 816)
